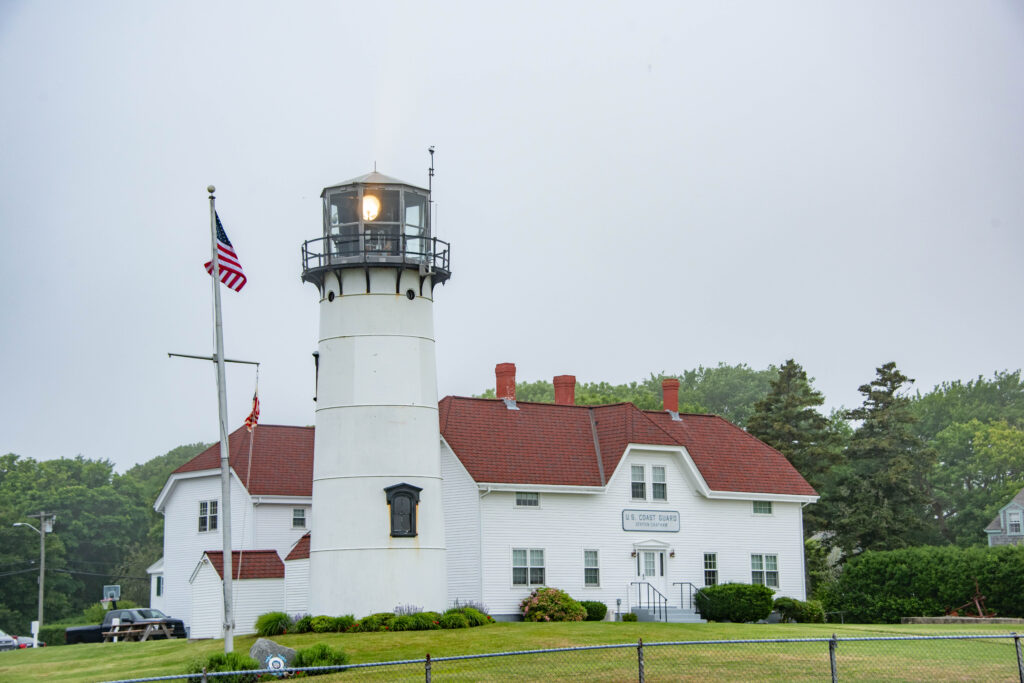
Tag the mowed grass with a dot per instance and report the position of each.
(881, 661)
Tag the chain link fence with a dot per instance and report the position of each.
(995, 657)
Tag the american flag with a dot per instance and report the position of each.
(230, 268)
(254, 416)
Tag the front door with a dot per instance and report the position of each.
(651, 567)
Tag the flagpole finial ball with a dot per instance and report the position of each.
(210, 189)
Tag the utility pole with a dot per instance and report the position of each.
(45, 526)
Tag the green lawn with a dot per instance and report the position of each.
(933, 660)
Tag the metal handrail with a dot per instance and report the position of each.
(655, 600)
(334, 250)
(692, 589)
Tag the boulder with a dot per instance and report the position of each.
(264, 648)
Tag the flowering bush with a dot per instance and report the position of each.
(551, 604)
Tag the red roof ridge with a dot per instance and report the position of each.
(248, 564)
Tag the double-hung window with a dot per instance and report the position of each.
(298, 518)
(764, 570)
(591, 568)
(1013, 522)
(207, 515)
(527, 499)
(659, 489)
(710, 569)
(639, 485)
(762, 507)
(527, 567)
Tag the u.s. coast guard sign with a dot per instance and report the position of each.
(650, 520)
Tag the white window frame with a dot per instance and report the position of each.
(299, 515)
(523, 498)
(760, 573)
(596, 567)
(655, 469)
(633, 481)
(534, 562)
(1013, 517)
(159, 588)
(762, 512)
(209, 511)
(711, 568)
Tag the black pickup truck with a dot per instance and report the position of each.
(139, 616)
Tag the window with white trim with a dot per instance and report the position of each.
(298, 518)
(764, 570)
(762, 507)
(527, 499)
(1013, 525)
(207, 515)
(639, 485)
(527, 567)
(591, 569)
(159, 586)
(710, 569)
(659, 489)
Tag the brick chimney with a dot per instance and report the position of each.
(565, 390)
(505, 380)
(670, 394)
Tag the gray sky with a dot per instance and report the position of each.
(628, 188)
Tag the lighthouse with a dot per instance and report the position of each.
(377, 538)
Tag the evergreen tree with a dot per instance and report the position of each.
(878, 498)
(788, 421)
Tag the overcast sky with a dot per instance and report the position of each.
(628, 188)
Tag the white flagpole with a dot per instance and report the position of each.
(222, 404)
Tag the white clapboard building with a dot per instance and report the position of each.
(396, 498)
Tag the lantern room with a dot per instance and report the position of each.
(376, 221)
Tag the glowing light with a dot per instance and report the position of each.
(371, 207)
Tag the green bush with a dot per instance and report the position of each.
(474, 616)
(220, 661)
(320, 654)
(303, 625)
(404, 622)
(791, 609)
(596, 611)
(454, 620)
(629, 616)
(882, 587)
(551, 604)
(343, 623)
(321, 624)
(273, 624)
(53, 634)
(381, 621)
(427, 621)
(736, 602)
(94, 614)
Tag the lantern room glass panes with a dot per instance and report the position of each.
(343, 223)
(415, 225)
(381, 209)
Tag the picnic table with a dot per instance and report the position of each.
(137, 632)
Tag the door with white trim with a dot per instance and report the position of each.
(652, 567)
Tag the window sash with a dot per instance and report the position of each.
(764, 570)
(1013, 524)
(298, 518)
(639, 486)
(591, 569)
(527, 566)
(762, 507)
(527, 499)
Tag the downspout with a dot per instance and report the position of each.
(480, 542)
(803, 554)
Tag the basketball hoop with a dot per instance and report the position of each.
(106, 603)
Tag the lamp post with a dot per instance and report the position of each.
(46, 524)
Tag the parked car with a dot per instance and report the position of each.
(139, 616)
(8, 642)
(26, 641)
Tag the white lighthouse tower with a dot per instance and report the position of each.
(377, 538)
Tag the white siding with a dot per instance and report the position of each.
(252, 597)
(296, 587)
(461, 528)
(273, 526)
(208, 600)
(565, 525)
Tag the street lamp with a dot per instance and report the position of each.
(46, 522)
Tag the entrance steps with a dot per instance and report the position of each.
(673, 615)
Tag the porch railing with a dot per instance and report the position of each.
(649, 597)
(686, 592)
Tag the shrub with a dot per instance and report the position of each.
(427, 621)
(220, 661)
(381, 621)
(474, 616)
(343, 623)
(303, 625)
(404, 622)
(94, 614)
(596, 611)
(322, 624)
(273, 624)
(320, 654)
(551, 604)
(454, 620)
(810, 612)
(629, 616)
(737, 602)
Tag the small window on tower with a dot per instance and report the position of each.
(402, 502)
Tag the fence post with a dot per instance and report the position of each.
(640, 659)
(427, 667)
(1020, 660)
(832, 645)
(205, 679)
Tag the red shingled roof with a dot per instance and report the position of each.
(542, 443)
(249, 564)
(282, 460)
(300, 551)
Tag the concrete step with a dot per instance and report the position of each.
(673, 615)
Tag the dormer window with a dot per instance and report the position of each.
(1013, 524)
(402, 502)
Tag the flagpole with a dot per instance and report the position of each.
(222, 405)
